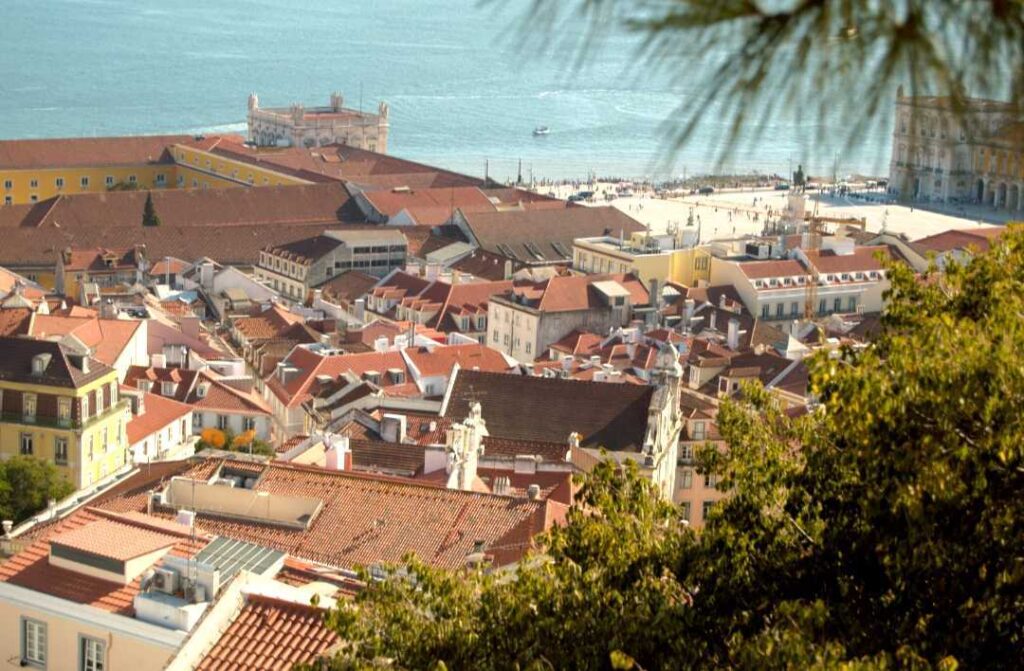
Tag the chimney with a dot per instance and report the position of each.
(714, 319)
(158, 361)
(108, 310)
(393, 428)
(502, 485)
(338, 456)
(359, 309)
(508, 270)
(464, 447)
(655, 293)
(455, 276)
(380, 344)
(721, 301)
(733, 337)
(533, 492)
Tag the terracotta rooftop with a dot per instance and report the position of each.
(15, 321)
(535, 236)
(266, 324)
(756, 270)
(106, 337)
(31, 567)
(580, 292)
(114, 540)
(442, 360)
(979, 238)
(862, 259)
(159, 412)
(367, 519)
(231, 225)
(86, 151)
(270, 635)
(613, 416)
(347, 287)
(429, 207)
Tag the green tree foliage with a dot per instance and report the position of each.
(885, 530)
(27, 485)
(149, 215)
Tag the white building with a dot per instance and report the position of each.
(301, 126)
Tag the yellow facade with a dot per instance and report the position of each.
(201, 169)
(682, 266)
(192, 169)
(96, 446)
(33, 185)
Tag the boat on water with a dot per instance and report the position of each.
(541, 130)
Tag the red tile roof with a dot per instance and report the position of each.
(159, 412)
(266, 324)
(107, 337)
(222, 397)
(756, 270)
(14, 321)
(31, 567)
(861, 260)
(980, 238)
(577, 292)
(270, 635)
(441, 360)
(367, 519)
(86, 151)
(312, 364)
(114, 540)
(430, 207)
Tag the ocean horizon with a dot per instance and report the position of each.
(463, 91)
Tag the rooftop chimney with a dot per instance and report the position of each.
(733, 337)
(338, 456)
(533, 492)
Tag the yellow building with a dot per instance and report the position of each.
(35, 170)
(665, 258)
(63, 407)
(200, 167)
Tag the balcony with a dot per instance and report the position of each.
(67, 424)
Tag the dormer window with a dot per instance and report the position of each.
(39, 363)
(145, 386)
(202, 390)
(168, 388)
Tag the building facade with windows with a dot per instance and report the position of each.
(61, 406)
(672, 258)
(971, 153)
(301, 126)
(297, 267)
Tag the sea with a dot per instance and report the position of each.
(467, 83)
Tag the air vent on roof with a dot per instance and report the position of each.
(561, 250)
(401, 189)
(507, 251)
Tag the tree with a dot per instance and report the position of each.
(827, 64)
(149, 215)
(27, 485)
(884, 530)
(214, 438)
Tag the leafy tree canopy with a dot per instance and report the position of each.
(26, 486)
(149, 215)
(885, 530)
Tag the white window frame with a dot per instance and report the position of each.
(34, 638)
(92, 654)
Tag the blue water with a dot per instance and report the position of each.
(462, 87)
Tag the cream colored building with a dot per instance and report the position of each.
(299, 126)
(973, 155)
(665, 258)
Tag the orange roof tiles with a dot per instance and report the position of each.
(114, 540)
(267, 323)
(270, 635)
(761, 269)
(980, 238)
(159, 412)
(31, 568)
(430, 207)
(86, 151)
(862, 259)
(312, 364)
(441, 360)
(107, 337)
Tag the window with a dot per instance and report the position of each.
(161, 179)
(222, 422)
(93, 654)
(528, 347)
(711, 480)
(765, 311)
(794, 308)
(28, 407)
(698, 430)
(197, 421)
(837, 305)
(132, 179)
(34, 183)
(494, 336)
(60, 182)
(60, 450)
(686, 478)
(26, 443)
(822, 306)
(8, 184)
(8, 200)
(109, 180)
(685, 452)
(84, 182)
(33, 198)
(851, 304)
(708, 505)
(64, 410)
(780, 309)
(33, 642)
(249, 424)
(685, 507)
(85, 408)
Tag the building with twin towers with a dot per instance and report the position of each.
(301, 126)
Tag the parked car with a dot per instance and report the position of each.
(706, 190)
